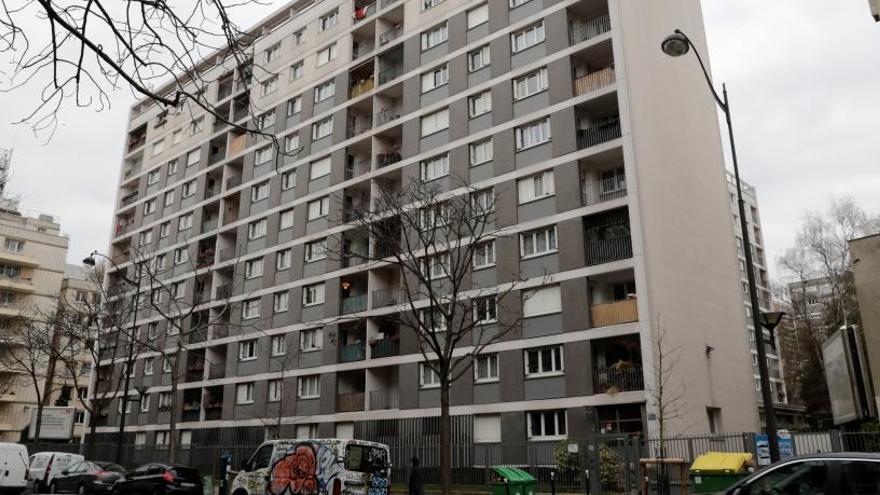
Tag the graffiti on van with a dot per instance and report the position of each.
(306, 469)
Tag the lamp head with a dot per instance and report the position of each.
(676, 44)
(89, 261)
(771, 319)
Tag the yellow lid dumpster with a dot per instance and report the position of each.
(714, 471)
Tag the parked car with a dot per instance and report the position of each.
(13, 467)
(152, 479)
(853, 473)
(44, 466)
(87, 477)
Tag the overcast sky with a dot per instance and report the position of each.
(804, 82)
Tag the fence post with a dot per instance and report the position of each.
(836, 440)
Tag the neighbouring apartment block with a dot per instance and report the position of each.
(865, 253)
(605, 158)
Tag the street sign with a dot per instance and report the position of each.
(762, 447)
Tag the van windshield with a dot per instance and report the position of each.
(365, 458)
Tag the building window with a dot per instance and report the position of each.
(483, 201)
(152, 332)
(158, 147)
(266, 120)
(484, 255)
(294, 106)
(481, 152)
(527, 38)
(544, 361)
(140, 440)
(164, 402)
(196, 126)
(188, 188)
(485, 310)
(257, 229)
(433, 321)
(427, 4)
(260, 191)
(263, 155)
(313, 294)
(247, 350)
(433, 217)
(149, 207)
(310, 339)
(328, 20)
(428, 378)
(479, 58)
(434, 168)
(479, 104)
(164, 229)
(487, 428)
(713, 414)
(184, 222)
(435, 122)
(325, 90)
(253, 268)
(296, 71)
(163, 438)
(297, 37)
(145, 402)
(542, 301)
(530, 84)
(14, 245)
(272, 52)
(537, 242)
(161, 258)
(322, 128)
(285, 219)
(178, 290)
(477, 16)
(320, 168)
(146, 238)
(279, 345)
(172, 167)
(168, 198)
(185, 439)
(435, 78)
(244, 393)
(148, 366)
(318, 208)
(269, 86)
(193, 157)
(536, 187)
(153, 176)
(532, 134)
(181, 255)
(250, 309)
(516, 3)
(282, 259)
(316, 250)
(291, 145)
(279, 302)
(486, 368)
(435, 266)
(326, 55)
(547, 425)
(309, 387)
(434, 36)
(274, 391)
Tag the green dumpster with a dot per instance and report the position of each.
(715, 471)
(512, 481)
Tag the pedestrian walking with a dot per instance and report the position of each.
(415, 479)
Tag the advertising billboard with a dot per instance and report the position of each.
(57, 423)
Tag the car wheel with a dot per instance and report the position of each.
(52, 487)
(81, 490)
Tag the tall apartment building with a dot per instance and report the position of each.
(774, 364)
(865, 253)
(32, 256)
(619, 146)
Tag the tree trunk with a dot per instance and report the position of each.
(172, 422)
(39, 423)
(93, 430)
(445, 433)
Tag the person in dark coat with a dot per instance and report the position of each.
(415, 479)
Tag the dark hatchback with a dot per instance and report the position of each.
(819, 474)
(87, 477)
(155, 478)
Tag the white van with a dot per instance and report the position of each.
(44, 466)
(330, 466)
(13, 467)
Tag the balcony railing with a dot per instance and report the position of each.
(383, 399)
(209, 225)
(362, 48)
(353, 401)
(582, 31)
(353, 259)
(598, 134)
(388, 297)
(390, 73)
(390, 35)
(615, 313)
(360, 88)
(593, 80)
(385, 3)
(354, 304)
(359, 126)
(224, 291)
(608, 250)
(387, 114)
(352, 352)
(384, 348)
(387, 158)
(618, 379)
(129, 198)
(604, 190)
(361, 13)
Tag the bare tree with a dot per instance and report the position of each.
(432, 238)
(665, 394)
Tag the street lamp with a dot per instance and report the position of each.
(676, 45)
(90, 261)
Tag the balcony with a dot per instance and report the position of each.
(621, 377)
(383, 399)
(390, 73)
(593, 81)
(356, 168)
(17, 284)
(388, 157)
(604, 189)
(209, 224)
(389, 113)
(599, 133)
(129, 198)
(354, 304)
(350, 402)
(609, 250)
(384, 348)
(579, 31)
(360, 87)
(390, 35)
(362, 12)
(614, 313)
(352, 352)
(388, 297)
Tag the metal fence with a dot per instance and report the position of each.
(607, 463)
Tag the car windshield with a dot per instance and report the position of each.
(109, 466)
(365, 458)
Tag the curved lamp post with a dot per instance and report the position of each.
(678, 44)
(129, 359)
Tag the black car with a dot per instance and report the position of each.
(87, 477)
(820, 474)
(153, 479)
